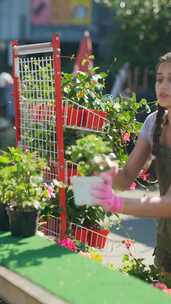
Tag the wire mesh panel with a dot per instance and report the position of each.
(37, 106)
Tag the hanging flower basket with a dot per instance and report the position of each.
(97, 238)
(80, 234)
(73, 116)
(94, 119)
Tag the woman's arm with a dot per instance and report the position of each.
(159, 207)
(137, 159)
(142, 207)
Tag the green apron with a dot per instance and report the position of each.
(163, 244)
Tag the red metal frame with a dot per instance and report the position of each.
(16, 92)
(59, 128)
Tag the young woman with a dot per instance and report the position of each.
(154, 139)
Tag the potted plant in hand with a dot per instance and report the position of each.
(26, 193)
(91, 217)
(84, 151)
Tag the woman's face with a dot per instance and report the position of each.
(163, 84)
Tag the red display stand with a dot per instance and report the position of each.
(42, 114)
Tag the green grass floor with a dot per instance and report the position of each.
(71, 276)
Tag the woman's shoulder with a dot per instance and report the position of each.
(150, 119)
(148, 127)
(151, 116)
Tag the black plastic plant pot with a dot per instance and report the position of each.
(23, 223)
(4, 220)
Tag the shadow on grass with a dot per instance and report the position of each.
(25, 252)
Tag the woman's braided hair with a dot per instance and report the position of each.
(161, 117)
(158, 129)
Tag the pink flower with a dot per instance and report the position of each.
(50, 190)
(26, 148)
(160, 285)
(126, 137)
(67, 243)
(133, 186)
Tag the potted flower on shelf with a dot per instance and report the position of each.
(88, 225)
(26, 193)
(84, 90)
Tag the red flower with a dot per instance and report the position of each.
(144, 175)
(128, 243)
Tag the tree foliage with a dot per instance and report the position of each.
(144, 31)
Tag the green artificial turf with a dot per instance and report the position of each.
(71, 276)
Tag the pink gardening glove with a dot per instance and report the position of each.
(104, 196)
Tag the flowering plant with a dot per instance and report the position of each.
(84, 150)
(22, 173)
(124, 127)
(68, 243)
(85, 88)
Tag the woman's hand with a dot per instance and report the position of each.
(103, 195)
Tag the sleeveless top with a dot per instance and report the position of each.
(163, 242)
